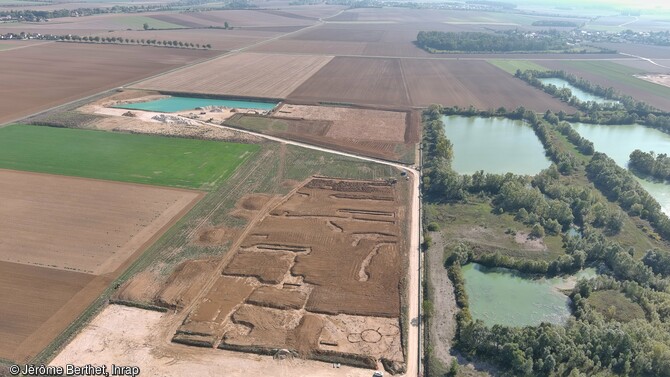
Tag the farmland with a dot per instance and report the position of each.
(511, 66)
(246, 74)
(25, 93)
(384, 134)
(53, 265)
(121, 157)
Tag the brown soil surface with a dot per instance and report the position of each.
(370, 81)
(351, 123)
(245, 74)
(333, 246)
(272, 297)
(47, 229)
(185, 283)
(30, 295)
(83, 225)
(476, 83)
(250, 204)
(210, 314)
(68, 71)
(268, 267)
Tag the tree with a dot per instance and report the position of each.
(537, 231)
(453, 369)
(225, 25)
(146, 26)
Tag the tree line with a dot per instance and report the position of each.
(507, 41)
(622, 110)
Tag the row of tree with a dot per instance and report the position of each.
(507, 41)
(121, 40)
(622, 110)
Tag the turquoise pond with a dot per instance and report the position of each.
(174, 104)
(580, 94)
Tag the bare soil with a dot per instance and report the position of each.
(58, 233)
(245, 74)
(659, 79)
(69, 71)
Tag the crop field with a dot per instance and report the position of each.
(619, 77)
(121, 157)
(57, 257)
(368, 81)
(72, 71)
(476, 83)
(246, 74)
(236, 18)
(511, 66)
(388, 135)
(294, 258)
(647, 51)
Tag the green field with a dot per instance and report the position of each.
(137, 22)
(155, 160)
(620, 73)
(510, 66)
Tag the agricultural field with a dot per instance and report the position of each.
(156, 160)
(619, 77)
(476, 83)
(245, 74)
(72, 71)
(57, 257)
(294, 258)
(389, 135)
(511, 66)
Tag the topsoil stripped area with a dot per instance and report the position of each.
(319, 275)
(245, 74)
(417, 82)
(64, 240)
(389, 135)
(37, 78)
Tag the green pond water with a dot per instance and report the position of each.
(174, 104)
(580, 94)
(619, 141)
(495, 145)
(505, 297)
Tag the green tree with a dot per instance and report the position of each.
(145, 26)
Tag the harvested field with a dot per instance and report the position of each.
(245, 74)
(81, 225)
(420, 82)
(657, 79)
(30, 296)
(236, 18)
(389, 135)
(367, 81)
(477, 83)
(59, 233)
(98, 68)
(333, 248)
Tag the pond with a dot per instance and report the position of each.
(580, 94)
(506, 297)
(620, 140)
(174, 104)
(495, 145)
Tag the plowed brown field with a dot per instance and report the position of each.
(37, 78)
(246, 75)
(55, 228)
(319, 275)
(421, 82)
